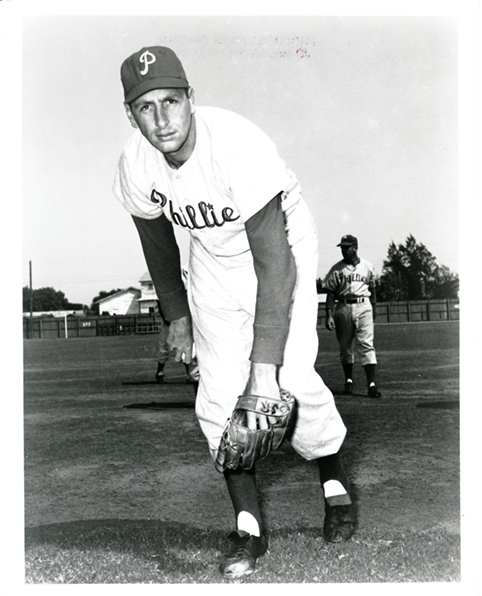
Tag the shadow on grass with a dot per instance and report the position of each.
(113, 534)
(166, 405)
(122, 551)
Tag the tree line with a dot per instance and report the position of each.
(410, 272)
(50, 299)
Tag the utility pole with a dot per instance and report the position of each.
(30, 335)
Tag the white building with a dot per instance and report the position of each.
(125, 302)
(148, 300)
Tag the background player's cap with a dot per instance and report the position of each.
(154, 67)
(348, 240)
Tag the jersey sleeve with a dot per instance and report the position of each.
(164, 263)
(331, 280)
(276, 272)
(130, 175)
(256, 171)
(371, 275)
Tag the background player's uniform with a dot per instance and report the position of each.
(352, 286)
(164, 349)
(233, 172)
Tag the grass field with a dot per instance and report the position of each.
(117, 494)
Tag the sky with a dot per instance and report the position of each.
(364, 109)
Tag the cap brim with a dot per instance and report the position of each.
(150, 84)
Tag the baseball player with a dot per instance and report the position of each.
(351, 283)
(251, 302)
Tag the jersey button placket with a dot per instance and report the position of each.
(181, 194)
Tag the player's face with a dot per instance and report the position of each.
(165, 118)
(350, 253)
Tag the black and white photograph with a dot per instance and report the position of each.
(217, 385)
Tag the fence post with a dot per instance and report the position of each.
(388, 312)
(447, 302)
(408, 311)
(428, 310)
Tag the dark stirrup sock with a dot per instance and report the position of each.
(244, 494)
(348, 370)
(334, 480)
(370, 370)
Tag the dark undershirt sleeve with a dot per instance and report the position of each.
(276, 272)
(164, 263)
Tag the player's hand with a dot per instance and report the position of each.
(192, 370)
(262, 382)
(330, 322)
(180, 339)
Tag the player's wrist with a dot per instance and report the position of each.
(262, 380)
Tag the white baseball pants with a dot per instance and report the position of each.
(222, 295)
(354, 330)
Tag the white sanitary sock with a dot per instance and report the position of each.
(333, 488)
(247, 523)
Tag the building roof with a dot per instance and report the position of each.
(146, 277)
(130, 289)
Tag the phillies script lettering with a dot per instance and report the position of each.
(204, 216)
(354, 277)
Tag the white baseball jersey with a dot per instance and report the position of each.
(233, 172)
(350, 281)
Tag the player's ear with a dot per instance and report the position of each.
(130, 115)
(191, 97)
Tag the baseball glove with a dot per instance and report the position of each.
(243, 447)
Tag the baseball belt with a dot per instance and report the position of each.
(351, 300)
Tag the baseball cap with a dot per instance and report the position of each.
(348, 240)
(154, 67)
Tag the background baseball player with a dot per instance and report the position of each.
(351, 283)
(251, 303)
(164, 349)
(164, 352)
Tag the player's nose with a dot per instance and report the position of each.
(160, 117)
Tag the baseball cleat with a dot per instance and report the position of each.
(373, 391)
(245, 550)
(348, 390)
(339, 523)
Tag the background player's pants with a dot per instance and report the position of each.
(354, 326)
(222, 293)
